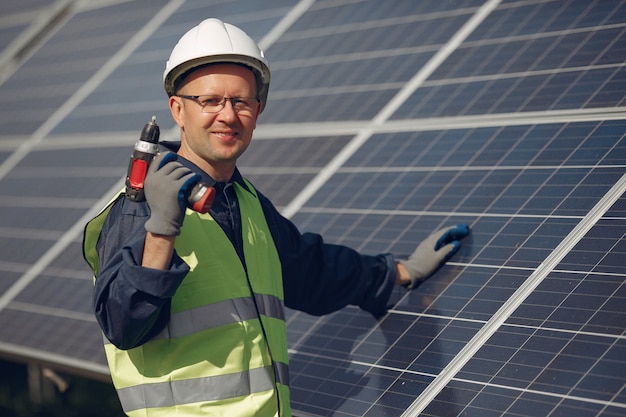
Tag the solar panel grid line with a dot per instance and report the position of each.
(434, 82)
(297, 342)
(408, 369)
(69, 236)
(69, 172)
(307, 34)
(510, 216)
(304, 129)
(50, 311)
(18, 267)
(547, 14)
(348, 57)
(522, 172)
(83, 6)
(505, 216)
(21, 17)
(69, 273)
(601, 87)
(399, 169)
(94, 81)
(47, 202)
(603, 273)
(471, 43)
(567, 331)
(325, 91)
(422, 74)
(578, 398)
(36, 234)
(121, 139)
(367, 364)
(502, 70)
(542, 54)
(441, 55)
(562, 351)
(111, 109)
(518, 297)
(41, 24)
(470, 159)
(105, 71)
(278, 30)
(566, 91)
(507, 324)
(321, 178)
(588, 321)
(542, 393)
(538, 392)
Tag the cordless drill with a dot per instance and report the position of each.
(201, 196)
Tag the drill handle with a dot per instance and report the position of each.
(144, 151)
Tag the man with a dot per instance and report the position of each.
(192, 304)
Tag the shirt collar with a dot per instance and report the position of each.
(173, 146)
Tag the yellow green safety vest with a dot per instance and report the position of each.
(224, 350)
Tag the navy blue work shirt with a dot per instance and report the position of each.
(132, 303)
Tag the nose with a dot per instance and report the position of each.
(228, 111)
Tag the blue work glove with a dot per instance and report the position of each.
(166, 187)
(433, 252)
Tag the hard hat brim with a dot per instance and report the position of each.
(177, 74)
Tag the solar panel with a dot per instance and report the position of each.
(385, 121)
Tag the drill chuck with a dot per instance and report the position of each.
(201, 197)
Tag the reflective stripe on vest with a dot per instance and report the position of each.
(219, 314)
(187, 391)
(224, 350)
(168, 394)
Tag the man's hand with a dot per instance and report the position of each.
(431, 254)
(166, 187)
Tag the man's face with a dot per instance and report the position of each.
(214, 141)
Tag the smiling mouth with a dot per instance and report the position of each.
(226, 135)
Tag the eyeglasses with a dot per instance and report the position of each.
(215, 104)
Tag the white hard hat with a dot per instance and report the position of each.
(214, 41)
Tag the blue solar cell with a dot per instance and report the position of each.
(533, 93)
(50, 291)
(8, 278)
(558, 50)
(23, 328)
(330, 107)
(8, 35)
(27, 251)
(29, 218)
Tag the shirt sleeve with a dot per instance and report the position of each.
(320, 278)
(131, 303)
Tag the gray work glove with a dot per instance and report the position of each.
(433, 252)
(166, 187)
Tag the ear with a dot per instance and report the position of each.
(177, 110)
